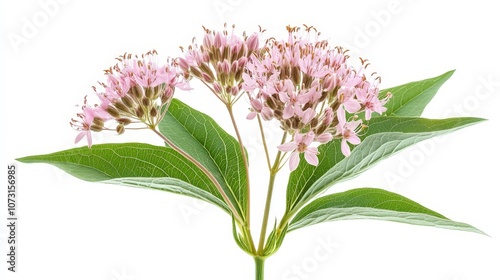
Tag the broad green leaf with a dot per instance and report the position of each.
(410, 100)
(385, 136)
(135, 164)
(375, 204)
(202, 138)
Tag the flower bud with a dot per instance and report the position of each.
(153, 112)
(112, 111)
(120, 106)
(149, 92)
(146, 101)
(136, 92)
(139, 112)
(120, 129)
(253, 42)
(96, 128)
(127, 100)
(124, 121)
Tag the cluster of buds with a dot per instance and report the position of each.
(220, 61)
(138, 90)
(313, 92)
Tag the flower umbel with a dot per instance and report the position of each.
(220, 61)
(311, 89)
(138, 90)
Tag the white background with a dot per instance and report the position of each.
(69, 229)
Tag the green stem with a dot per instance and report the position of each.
(272, 176)
(265, 219)
(264, 142)
(245, 160)
(259, 268)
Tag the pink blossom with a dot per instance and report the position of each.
(292, 99)
(348, 133)
(258, 107)
(369, 100)
(300, 145)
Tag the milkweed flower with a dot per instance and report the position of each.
(138, 90)
(220, 61)
(312, 90)
(299, 145)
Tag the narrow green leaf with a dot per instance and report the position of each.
(202, 138)
(375, 204)
(410, 100)
(135, 164)
(385, 136)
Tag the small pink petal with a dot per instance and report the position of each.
(324, 137)
(298, 138)
(267, 114)
(344, 147)
(89, 139)
(368, 114)
(288, 112)
(287, 147)
(256, 104)
(251, 115)
(308, 115)
(309, 138)
(311, 157)
(283, 96)
(341, 116)
(351, 106)
(354, 139)
(294, 161)
(79, 137)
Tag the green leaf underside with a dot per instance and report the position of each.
(134, 164)
(385, 136)
(375, 204)
(410, 100)
(202, 138)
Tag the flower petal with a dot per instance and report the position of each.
(311, 156)
(344, 147)
(294, 161)
(287, 147)
(324, 137)
(251, 115)
(288, 112)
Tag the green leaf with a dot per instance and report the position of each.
(375, 204)
(385, 136)
(135, 164)
(410, 100)
(202, 138)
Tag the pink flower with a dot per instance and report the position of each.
(84, 123)
(258, 107)
(292, 100)
(220, 62)
(348, 133)
(300, 145)
(369, 100)
(137, 90)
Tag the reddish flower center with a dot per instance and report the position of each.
(301, 147)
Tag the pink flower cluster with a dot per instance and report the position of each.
(220, 61)
(314, 93)
(137, 90)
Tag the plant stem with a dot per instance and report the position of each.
(245, 160)
(259, 268)
(204, 169)
(264, 142)
(265, 219)
(272, 176)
